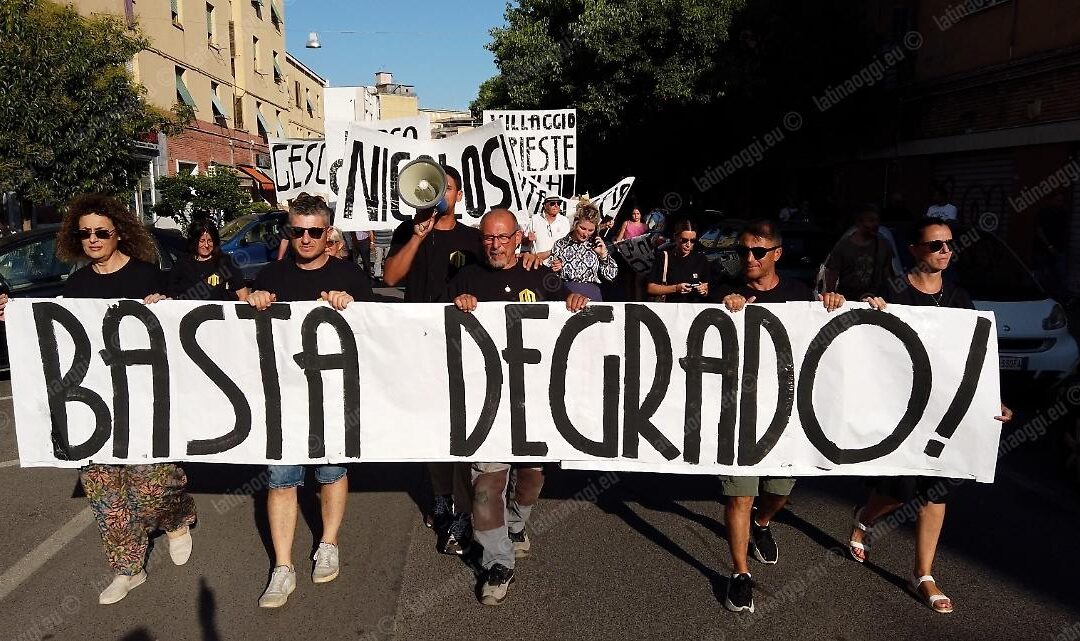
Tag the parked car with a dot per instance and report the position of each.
(253, 240)
(29, 267)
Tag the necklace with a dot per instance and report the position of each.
(937, 298)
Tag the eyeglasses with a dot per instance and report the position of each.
(294, 232)
(938, 245)
(102, 234)
(502, 239)
(554, 202)
(759, 252)
(685, 241)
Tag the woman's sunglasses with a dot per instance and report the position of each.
(102, 234)
(294, 232)
(937, 245)
(759, 252)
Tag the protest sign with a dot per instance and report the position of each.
(368, 197)
(311, 164)
(773, 390)
(639, 252)
(610, 201)
(543, 145)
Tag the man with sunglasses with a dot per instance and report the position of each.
(546, 227)
(498, 521)
(308, 273)
(760, 247)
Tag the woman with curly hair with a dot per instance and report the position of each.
(581, 257)
(206, 273)
(128, 501)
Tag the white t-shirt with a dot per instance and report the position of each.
(547, 233)
(944, 212)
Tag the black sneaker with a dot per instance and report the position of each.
(762, 544)
(495, 584)
(740, 594)
(442, 513)
(459, 536)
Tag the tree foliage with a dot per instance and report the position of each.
(69, 108)
(220, 195)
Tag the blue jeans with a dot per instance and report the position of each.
(285, 476)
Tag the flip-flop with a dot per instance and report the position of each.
(934, 599)
(853, 545)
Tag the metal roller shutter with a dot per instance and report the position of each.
(977, 184)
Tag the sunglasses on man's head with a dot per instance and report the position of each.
(102, 234)
(294, 232)
(759, 252)
(937, 245)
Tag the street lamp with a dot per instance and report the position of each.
(313, 41)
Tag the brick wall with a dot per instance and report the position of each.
(206, 143)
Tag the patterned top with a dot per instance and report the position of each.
(580, 262)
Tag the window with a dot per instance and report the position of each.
(278, 76)
(280, 129)
(275, 17)
(310, 105)
(263, 127)
(210, 32)
(297, 94)
(220, 117)
(255, 52)
(33, 264)
(175, 6)
(182, 94)
(238, 112)
(258, 8)
(187, 168)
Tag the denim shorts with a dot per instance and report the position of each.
(284, 476)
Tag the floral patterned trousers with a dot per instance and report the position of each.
(129, 502)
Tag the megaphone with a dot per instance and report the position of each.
(422, 185)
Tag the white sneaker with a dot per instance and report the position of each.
(282, 584)
(180, 547)
(120, 586)
(326, 563)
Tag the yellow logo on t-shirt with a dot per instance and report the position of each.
(527, 296)
(213, 280)
(457, 259)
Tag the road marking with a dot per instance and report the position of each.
(9, 463)
(17, 574)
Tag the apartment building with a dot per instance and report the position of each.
(225, 59)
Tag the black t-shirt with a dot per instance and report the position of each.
(949, 296)
(681, 269)
(862, 269)
(292, 284)
(514, 285)
(136, 279)
(786, 291)
(438, 259)
(192, 279)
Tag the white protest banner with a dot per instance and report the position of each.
(368, 197)
(772, 390)
(610, 201)
(337, 136)
(543, 144)
(299, 165)
(311, 164)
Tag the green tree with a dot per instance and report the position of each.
(69, 108)
(219, 194)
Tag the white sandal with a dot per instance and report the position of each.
(932, 600)
(853, 545)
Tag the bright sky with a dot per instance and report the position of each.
(437, 47)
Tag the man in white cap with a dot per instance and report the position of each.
(546, 227)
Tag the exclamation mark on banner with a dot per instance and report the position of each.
(965, 392)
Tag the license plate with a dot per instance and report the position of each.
(1012, 363)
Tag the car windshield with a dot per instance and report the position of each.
(990, 271)
(34, 263)
(235, 227)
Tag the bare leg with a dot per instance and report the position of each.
(737, 519)
(877, 506)
(768, 506)
(281, 510)
(927, 533)
(332, 498)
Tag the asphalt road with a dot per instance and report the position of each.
(616, 556)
